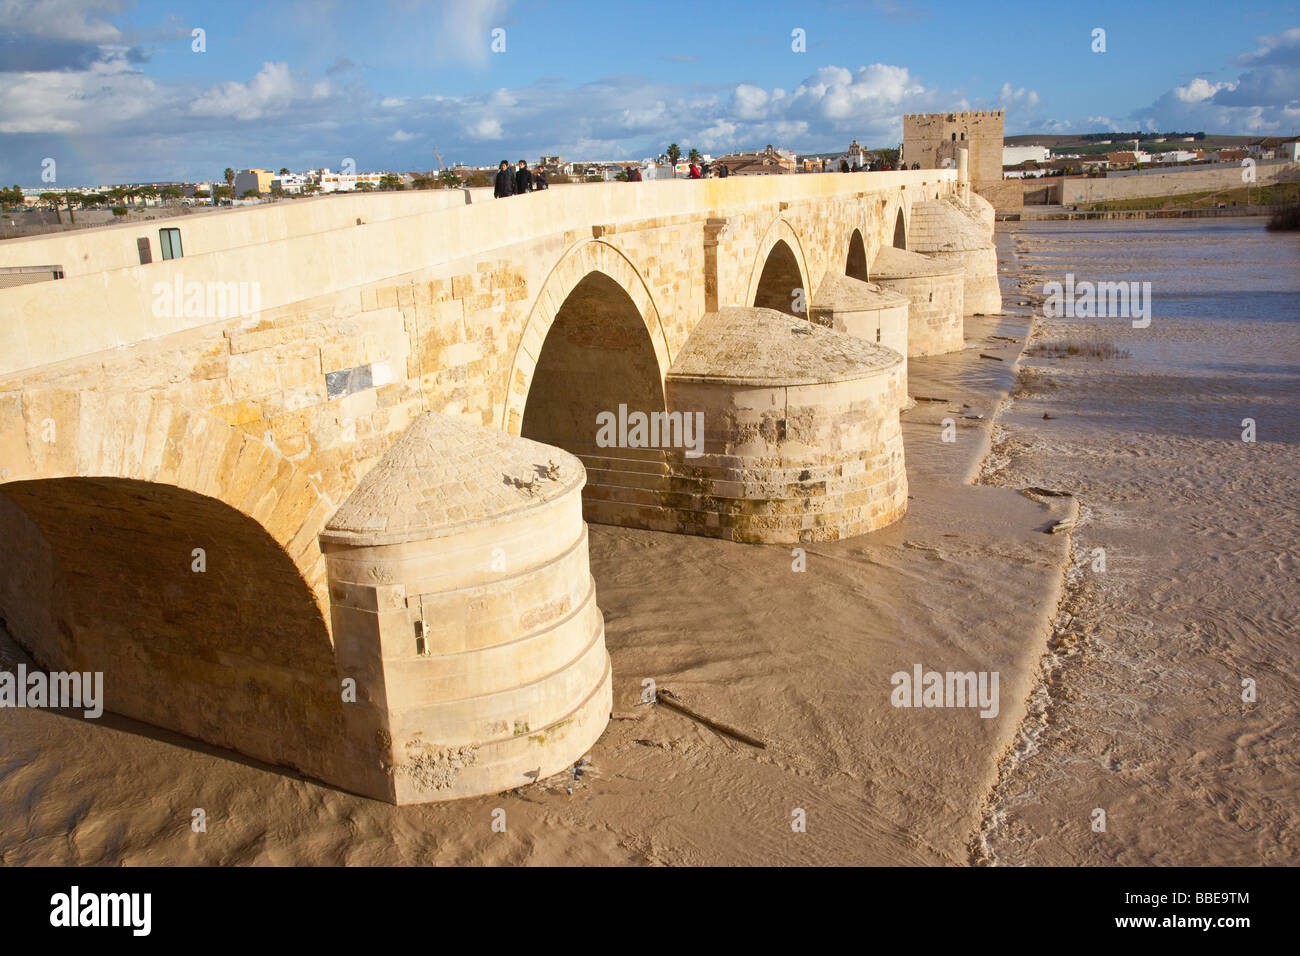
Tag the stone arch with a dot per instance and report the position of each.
(900, 230)
(578, 262)
(177, 556)
(855, 264)
(779, 267)
(597, 376)
(65, 432)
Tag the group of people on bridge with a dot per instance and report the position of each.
(516, 182)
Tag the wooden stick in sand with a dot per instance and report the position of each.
(667, 697)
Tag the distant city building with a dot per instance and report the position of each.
(769, 162)
(1130, 157)
(290, 183)
(1015, 155)
(332, 182)
(255, 180)
(1273, 147)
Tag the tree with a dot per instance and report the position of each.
(230, 178)
(249, 194)
(694, 156)
(284, 170)
(391, 181)
(52, 200)
(888, 158)
(674, 153)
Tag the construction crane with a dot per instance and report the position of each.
(441, 167)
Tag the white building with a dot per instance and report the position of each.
(331, 182)
(290, 183)
(1015, 155)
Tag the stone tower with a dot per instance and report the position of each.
(931, 138)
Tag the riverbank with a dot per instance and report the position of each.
(1168, 699)
(1058, 214)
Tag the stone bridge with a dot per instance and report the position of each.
(315, 489)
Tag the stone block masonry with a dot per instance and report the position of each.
(258, 440)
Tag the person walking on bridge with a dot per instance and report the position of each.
(523, 179)
(505, 182)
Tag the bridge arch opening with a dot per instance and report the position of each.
(199, 621)
(780, 286)
(856, 265)
(900, 232)
(597, 366)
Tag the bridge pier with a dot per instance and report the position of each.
(802, 440)
(864, 310)
(935, 295)
(951, 233)
(464, 609)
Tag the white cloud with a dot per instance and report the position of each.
(1199, 90)
(486, 128)
(1016, 98)
(66, 101)
(70, 20)
(1264, 99)
(401, 136)
(272, 91)
(749, 102)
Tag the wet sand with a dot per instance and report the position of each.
(1141, 711)
(967, 581)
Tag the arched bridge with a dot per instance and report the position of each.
(298, 454)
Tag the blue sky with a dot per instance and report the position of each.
(114, 91)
